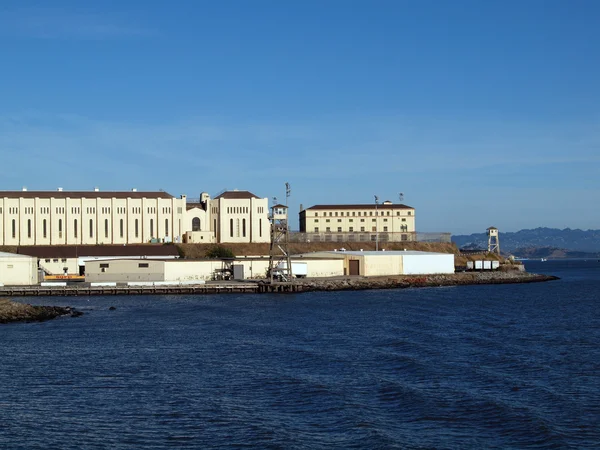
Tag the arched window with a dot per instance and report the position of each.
(121, 227)
(196, 224)
(60, 228)
(231, 227)
(137, 228)
(44, 229)
(14, 228)
(106, 228)
(166, 227)
(91, 228)
(75, 228)
(237, 227)
(151, 228)
(29, 228)
(244, 227)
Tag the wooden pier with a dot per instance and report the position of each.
(84, 289)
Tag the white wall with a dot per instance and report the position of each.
(428, 264)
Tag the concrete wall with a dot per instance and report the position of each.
(182, 270)
(18, 270)
(124, 270)
(428, 264)
(323, 267)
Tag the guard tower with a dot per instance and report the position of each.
(280, 265)
(493, 240)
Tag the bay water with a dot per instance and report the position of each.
(499, 366)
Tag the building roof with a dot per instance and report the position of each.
(74, 251)
(387, 252)
(12, 255)
(193, 205)
(236, 195)
(84, 194)
(362, 206)
(279, 205)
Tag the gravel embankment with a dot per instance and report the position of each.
(406, 281)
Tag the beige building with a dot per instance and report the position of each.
(95, 217)
(384, 222)
(240, 216)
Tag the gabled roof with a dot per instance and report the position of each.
(280, 206)
(363, 206)
(84, 194)
(236, 195)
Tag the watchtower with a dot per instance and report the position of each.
(280, 263)
(493, 240)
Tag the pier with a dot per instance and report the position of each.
(84, 289)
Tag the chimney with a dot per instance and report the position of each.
(59, 189)
(133, 189)
(24, 188)
(96, 189)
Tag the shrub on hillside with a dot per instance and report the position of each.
(218, 251)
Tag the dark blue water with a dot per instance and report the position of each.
(462, 367)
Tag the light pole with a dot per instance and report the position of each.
(376, 225)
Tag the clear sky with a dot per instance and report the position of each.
(481, 112)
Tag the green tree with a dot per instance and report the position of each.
(218, 251)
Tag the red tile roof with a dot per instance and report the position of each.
(84, 194)
(236, 195)
(74, 251)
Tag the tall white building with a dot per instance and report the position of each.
(129, 217)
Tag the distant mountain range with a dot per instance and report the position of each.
(539, 242)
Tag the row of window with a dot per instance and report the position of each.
(91, 228)
(237, 210)
(89, 210)
(243, 228)
(352, 220)
(354, 213)
(404, 228)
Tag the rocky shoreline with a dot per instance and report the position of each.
(410, 281)
(20, 312)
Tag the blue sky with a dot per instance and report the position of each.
(481, 112)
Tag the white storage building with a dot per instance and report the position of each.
(383, 263)
(17, 269)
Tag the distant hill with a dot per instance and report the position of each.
(546, 241)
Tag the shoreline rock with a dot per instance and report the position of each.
(21, 312)
(413, 281)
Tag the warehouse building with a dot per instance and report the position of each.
(132, 270)
(384, 263)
